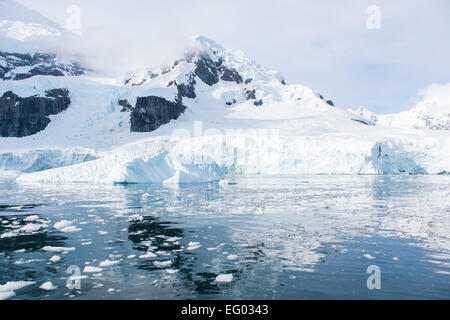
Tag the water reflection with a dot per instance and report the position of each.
(150, 235)
(279, 237)
(163, 245)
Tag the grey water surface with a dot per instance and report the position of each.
(303, 237)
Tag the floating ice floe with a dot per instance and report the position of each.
(66, 226)
(162, 264)
(31, 218)
(172, 271)
(48, 286)
(194, 246)
(108, 263)
(148, 255)
(90, 269)
(224, 278)
(58, 249)
(7, 290)
(55, 259)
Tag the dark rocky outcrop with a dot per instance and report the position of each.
(126, 106)
(321, 97)
(251, 94)
(258, 103)
(230, 75)
(187, 90)
(211, 72)
(150, 113)
(21, 117)
(38, 64)
(206, 70)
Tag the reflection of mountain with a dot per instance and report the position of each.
(198, 269)
(152, 234)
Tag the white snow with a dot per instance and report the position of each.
(431, 112)
(22, 29)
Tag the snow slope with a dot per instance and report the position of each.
(433, 112)
(22, 29)
(259, 124)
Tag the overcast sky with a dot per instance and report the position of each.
(325, 45)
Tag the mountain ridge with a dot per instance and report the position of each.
(431, 112)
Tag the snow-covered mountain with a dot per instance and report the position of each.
(213, 111)
(26, 38)
(432, 112)
(368, 116)
(22, 28)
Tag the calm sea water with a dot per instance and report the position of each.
(306, 237)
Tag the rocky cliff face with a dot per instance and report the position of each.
(211, 72)
(152, 112)
(21, 117)
(16, 66)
